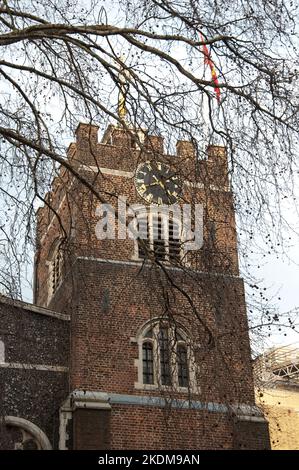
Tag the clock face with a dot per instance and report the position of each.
(157, 183)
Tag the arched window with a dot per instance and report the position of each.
(56, 266)
(160, 234)
(165, 358)
(21, 434)
(159, 238)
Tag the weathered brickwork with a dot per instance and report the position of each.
(111, 295)
(91, 430)
(108, 318)
(96, 164)
(151, 428)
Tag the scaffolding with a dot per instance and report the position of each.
(278, 364)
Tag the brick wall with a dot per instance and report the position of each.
(33, 341)
(251, 435)
(116, 300)
(91, 429)
(110, 296)
(152, 428)
(76, 204)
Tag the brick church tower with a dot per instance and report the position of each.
(159, 348)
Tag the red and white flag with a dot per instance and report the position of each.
(210, 63)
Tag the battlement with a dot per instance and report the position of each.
(137, 139)
(122, 149)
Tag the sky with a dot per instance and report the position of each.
(281, 276)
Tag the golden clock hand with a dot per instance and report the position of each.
(158, 182)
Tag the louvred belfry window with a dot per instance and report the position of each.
(174, 241)
(159, 235)
(143, 230)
